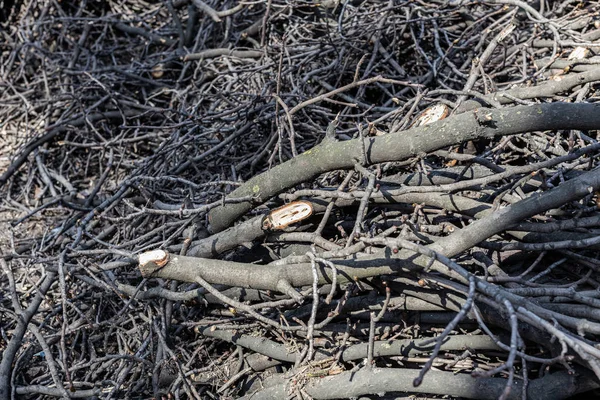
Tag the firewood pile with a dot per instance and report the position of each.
(286, 199)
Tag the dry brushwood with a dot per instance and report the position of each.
(290, 199)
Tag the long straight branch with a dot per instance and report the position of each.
(331, 155)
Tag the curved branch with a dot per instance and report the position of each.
(57, 129)
(270, 277)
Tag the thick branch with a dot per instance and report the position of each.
(379, 380)
(271, 277)
(330, 155)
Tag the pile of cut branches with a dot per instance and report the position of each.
(291, 199)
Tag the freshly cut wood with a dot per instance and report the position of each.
(283, 217)
(432, 114)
